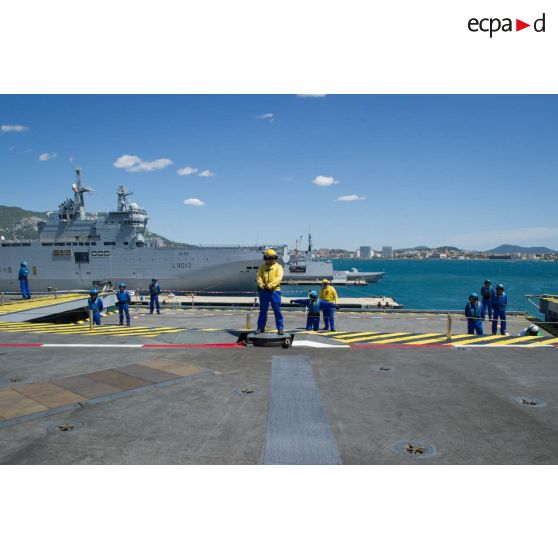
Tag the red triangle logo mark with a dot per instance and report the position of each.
(519, 25)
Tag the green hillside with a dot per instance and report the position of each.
(19, 224)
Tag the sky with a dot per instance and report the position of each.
(472, 171)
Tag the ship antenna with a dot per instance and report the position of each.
(79, 189)
(122, 194)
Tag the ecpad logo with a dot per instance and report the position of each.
(493, 25)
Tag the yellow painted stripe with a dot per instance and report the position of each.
(438, 339)
(356, 334)
(370, 337)
(478, 339)
(550, 341)
(516, 341)
(405, 338)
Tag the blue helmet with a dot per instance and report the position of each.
(313, 294)
(93, 291)
(153, 278)
(473, 295)
(122, 286)
(500, 286)
(23, 264)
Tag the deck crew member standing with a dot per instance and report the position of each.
(269, 279)
(473, 312)
(154, 291)
(24, 280)
(123, 298)
(314, 306)
(487, 292)
(328, 294)
(499, 304)
(95, 304)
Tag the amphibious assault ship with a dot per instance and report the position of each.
(76, 250)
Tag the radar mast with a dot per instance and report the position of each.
(122, 192)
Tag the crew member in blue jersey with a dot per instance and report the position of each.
(473, 312)
(95, 304)
(314, 306)
(123, 298)
(154, 292)
(487, 292)
(24, 280)
(269, 280)
(499, 304)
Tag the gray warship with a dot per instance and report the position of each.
(76, 250)
(305, 269)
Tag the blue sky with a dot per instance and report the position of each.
(473, 171)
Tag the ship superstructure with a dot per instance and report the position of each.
(76, 250)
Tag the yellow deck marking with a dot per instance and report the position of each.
(370, 337)
(516, 340)
(356, 334)
(478, 339)
(73, 329)
(545, 342)
(405, 338)
(39, 302)
(438, 339)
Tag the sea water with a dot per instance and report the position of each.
(446, 284)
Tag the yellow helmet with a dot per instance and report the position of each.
(270, 253)
(325, 281)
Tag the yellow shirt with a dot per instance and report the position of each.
(270, 275)
(329, 294)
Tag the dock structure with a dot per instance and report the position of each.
(363, 303)
(46, 306)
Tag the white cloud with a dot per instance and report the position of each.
(133, 163)
(47, 156)
(206, 173)
(266, 116)
(324, 180)
(351, 198)
(311, 96)
(482, 240)
(13, 128)
(194, 201)
(185, 171)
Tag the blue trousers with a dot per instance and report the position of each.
(154, 302)
(97, 318)
(486, 304)
(123, 309)
(267, 298)
(499, 313)
(24, 286)
(313, 322)
(329, 319)
(474, 326)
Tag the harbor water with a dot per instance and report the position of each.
(446, 284)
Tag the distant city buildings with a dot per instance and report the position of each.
(365, 252)
(425, 253)
(387, 252)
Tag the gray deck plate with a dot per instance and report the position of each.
(298, 432)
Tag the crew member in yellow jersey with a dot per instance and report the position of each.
(329, 294)
(269, 279)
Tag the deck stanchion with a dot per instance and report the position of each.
(248, 322)
(90, 320)
(448, 333)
